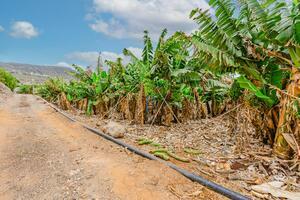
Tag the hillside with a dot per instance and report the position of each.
(27, 73)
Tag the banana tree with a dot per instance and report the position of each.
(88, 88)
(51, 89)
(259, 40)
(154, 72)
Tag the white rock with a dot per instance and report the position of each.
(114, 129)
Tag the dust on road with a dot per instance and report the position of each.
(45, 156)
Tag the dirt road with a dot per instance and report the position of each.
(45, 156)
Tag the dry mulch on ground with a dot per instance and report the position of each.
(231, 152)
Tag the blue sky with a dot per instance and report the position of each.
(56, 32)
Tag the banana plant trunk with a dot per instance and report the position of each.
(64, 102)
(140, 106)
(287, 134)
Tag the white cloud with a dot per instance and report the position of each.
(63, 64)
(136, 51)
(106, 27)
(90, 58)
(1, 28)
(87, 57)
(131, 17)
(23, 29)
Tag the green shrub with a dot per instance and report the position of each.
(51, 89)
(8, 79)
(25, 89)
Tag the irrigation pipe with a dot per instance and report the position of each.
(209, 184)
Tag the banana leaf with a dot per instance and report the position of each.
(247, 84)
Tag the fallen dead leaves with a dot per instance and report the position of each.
(228, 153)
(276, 189)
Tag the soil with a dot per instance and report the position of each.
(45, 156)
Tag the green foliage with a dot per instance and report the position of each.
(247, 84)
(215, 91)
(253, 38)
(8, 79)
(51, 89)
(235, 91)
(169, 73)
(148, 50)
(26, 89)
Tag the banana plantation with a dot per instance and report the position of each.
(219, 104)
(246, 53)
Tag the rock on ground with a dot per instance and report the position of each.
(114, 129)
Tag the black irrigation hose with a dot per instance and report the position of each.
(209, 184)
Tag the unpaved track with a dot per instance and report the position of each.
(45, 156)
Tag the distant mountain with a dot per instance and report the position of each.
(27, 73)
